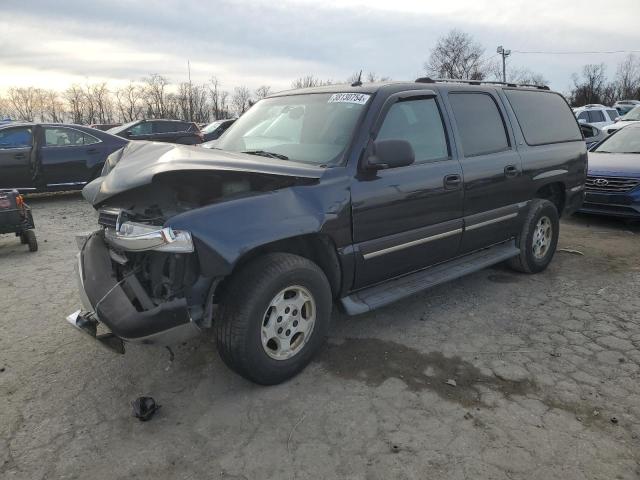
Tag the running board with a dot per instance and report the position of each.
(385, 293)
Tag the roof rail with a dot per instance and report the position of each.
(479, 82)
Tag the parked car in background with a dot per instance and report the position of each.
(160, 130)
(613, 181)
(217, 128)
(624, 106)
(361, 194)
(104, 126)
(51, 156)
(632, 116)
(596, 114)
(592, 134)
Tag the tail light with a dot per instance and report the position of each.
(19, 201)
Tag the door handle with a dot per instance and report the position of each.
(19, 156)
(511, 171)
(92, 150)
(452, 182)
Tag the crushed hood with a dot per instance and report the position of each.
(614, 164)
(141, 161)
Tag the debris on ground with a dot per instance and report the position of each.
(614, 420)
(144, 408)
(571, 251)
(468, 416)
(451, 382)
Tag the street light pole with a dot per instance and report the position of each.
(504, 53)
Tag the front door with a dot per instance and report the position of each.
(16, 145)
(409, 217)
(494, 187)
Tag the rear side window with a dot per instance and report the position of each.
(584, 116)
(544, 117)
(480, 123)
(419, 123)
(65, 137)
(613, 114)
(596, 116)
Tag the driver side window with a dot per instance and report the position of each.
(20, 137)
(419, 123)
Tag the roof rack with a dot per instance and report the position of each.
(479, 82)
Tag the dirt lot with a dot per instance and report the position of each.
(546, 370)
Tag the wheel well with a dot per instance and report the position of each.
(555, 193)
(318, 248)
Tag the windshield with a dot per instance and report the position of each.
(633, 115)
(122, 128)
(625, 140)
(312, 128)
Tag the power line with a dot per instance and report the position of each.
(576, 53)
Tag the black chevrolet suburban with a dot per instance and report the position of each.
(355, 195)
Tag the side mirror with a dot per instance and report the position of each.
(390, 154)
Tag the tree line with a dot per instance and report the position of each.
(456, 55)
(153, 97)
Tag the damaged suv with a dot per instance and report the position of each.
(357, 195)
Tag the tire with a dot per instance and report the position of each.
(542, 215)
(31, 240)
(253, 329)
(23, 238)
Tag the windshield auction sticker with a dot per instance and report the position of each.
(359, 98)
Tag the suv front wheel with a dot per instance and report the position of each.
(273, 318)
(538, 239)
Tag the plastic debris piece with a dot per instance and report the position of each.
(144, 408)
(571, 251)
(451, 382)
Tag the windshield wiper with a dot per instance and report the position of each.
(264, 153)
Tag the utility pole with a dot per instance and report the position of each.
(190, 94)
(504, 53)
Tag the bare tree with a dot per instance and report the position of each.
(241, 99)
(457, 55)
(99, 98)
(129, 101)
(26, 102)
(590, 86)
(156, 96)
(262, 91)
(369, 77)
(52, 106)
(627, 80)
(309, 81)
(74, 96)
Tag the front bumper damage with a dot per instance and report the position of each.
(121, 303)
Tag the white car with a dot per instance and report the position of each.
(633, 116)
(596, 114)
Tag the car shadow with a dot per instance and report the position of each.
(604, 222)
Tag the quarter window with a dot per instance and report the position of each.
(584, 116)
(65, 137)
(143, 128)
(544, 117)
(419, 123)
(480, 123)
(15, 138)
(613, 114)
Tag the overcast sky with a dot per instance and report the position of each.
(55, 43)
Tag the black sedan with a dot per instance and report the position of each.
(52, 156)
(160, 130)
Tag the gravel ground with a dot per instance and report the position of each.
(546, 371)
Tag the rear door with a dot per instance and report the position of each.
(409, 217)
(16, 146)
(65, 155)
(491, 166)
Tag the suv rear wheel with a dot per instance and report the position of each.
(538, 239)
(273, 318)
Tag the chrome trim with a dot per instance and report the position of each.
(136, 237)
(576, 188)
(67, 184)
(490, 222)
(420, 241)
